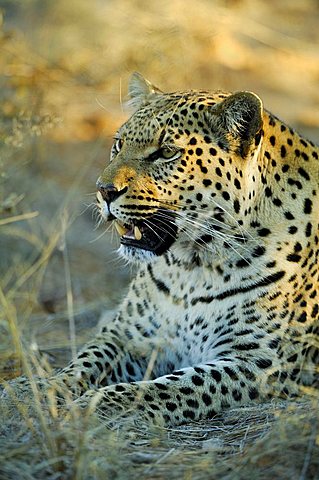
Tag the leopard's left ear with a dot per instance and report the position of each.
(140, 91)
(239, 116)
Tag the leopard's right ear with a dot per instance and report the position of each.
(140, 91)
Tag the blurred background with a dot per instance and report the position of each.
(64, 69)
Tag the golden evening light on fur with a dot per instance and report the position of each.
(159, 240)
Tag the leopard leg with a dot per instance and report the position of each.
(188, 394)
(108, 359)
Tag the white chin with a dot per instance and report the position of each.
(136, 255)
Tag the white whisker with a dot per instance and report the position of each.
(148, 223)
(229, 239)
(107, 229)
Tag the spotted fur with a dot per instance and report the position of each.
(225, 311)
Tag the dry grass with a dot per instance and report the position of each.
(275, 440)
(65, 67)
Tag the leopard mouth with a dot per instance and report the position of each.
(156, 233)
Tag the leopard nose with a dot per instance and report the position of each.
(109, 192)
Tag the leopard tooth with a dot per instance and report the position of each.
(137, 233)
(99, 197)
(120, 229)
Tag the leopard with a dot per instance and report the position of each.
(215, 201)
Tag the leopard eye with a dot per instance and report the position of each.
(118, 145)
(167, 153)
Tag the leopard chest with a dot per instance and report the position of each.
(198, 320)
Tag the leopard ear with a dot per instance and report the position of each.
(238, 117)
(140, 91)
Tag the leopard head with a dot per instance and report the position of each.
(181, 170)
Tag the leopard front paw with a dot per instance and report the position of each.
(23, 390)
(106, 403)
